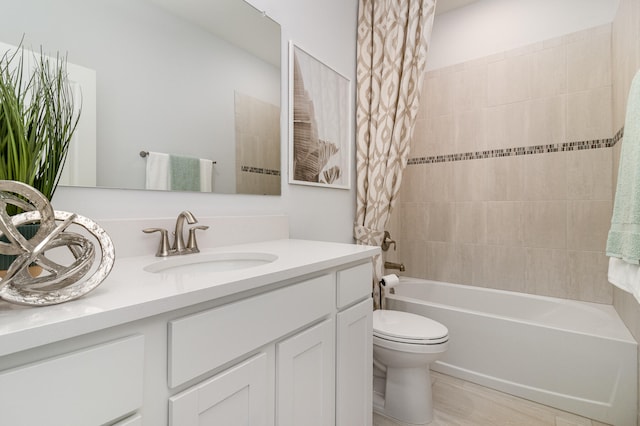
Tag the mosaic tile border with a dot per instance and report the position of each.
(260, 170)
(527, 150)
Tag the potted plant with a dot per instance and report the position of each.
(38, 117)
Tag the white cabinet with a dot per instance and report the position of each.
(238, 396)
(354, 365)
(305, 377)
(320, 330)
(296, 352)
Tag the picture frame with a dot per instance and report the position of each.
(320, 136)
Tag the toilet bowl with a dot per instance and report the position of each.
(404, 345)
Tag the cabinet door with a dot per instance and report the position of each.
(354, 362)
(64, 390)
(135, 420)
(237, 396)
(306, 377)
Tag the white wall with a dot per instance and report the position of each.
(326, 29)
(487, 27)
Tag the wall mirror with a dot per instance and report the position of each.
(195, 78)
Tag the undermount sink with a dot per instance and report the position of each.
(203, 263)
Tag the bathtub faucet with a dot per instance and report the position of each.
(392, 265)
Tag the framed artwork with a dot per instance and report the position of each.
(319, 123)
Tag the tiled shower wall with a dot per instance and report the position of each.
(510, 182)
(626, 62)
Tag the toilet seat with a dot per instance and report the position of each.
(408, 328)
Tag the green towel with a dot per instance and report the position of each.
(624, 236)
(184, 173)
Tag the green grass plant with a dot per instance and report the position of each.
(37, 119)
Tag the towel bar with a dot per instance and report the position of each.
(143, 154)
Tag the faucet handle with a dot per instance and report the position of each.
(192, 244)
(387, 242)
(163, 248)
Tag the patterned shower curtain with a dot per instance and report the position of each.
(393, 38)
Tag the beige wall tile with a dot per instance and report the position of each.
(589, 174)
(469, 180)
(414, 256)
(438, 94)
(588, 224)
(545, 224)
(440, 221)
(505, 178)
(393, 226)
(509, 80)
(548, 118)
(626, 55)
(546, 272)
(414, 221)
(589, 61)
(504, 223)
(413, 188)
(549, 73)
(441, 135)
(469, 133)
(545, 176)
(421, 133)
(508, 126)
(447, 262)
(587, 277)
(589, 115)
(499, 267)
(439, 184)
(629, 310)
(465, 256)
(464, 215)
(470, 88)
(470, 222)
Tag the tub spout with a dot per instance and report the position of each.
(392, 265)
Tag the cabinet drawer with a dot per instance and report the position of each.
(92, 386)
(354, 284)
(201, 342)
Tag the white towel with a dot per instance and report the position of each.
(206, 175)
(157, 171)
(625, 276)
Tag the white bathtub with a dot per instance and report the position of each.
(575, 356)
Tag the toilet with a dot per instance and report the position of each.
(404, 345)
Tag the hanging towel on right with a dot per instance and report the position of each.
(623, 241)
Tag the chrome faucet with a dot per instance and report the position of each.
(178, 246)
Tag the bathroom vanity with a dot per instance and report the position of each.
(285, 341)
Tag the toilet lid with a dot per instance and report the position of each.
(406, 326)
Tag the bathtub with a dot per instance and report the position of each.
(575, 356)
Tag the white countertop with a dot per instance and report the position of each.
(129, 293)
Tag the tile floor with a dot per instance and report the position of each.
(460, 403)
